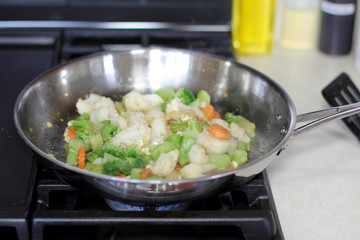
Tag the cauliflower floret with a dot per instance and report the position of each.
(100, 114)
(153, 114)
(237, 131)
(174, 106)
(215, 145)
(182, 115)
(191, 170)
(117, 120)
(221, 122)
(137, 133)
(104, 102)
(247, 138)
(134, 117)
(194, 170)
(200, 114)
(159, 130)
(165, 163)
(86, 106)
(135, 101)
(66, 137)
(153, 100)
(100, 108)
(107, 112)
(208, 167)
(198, 155)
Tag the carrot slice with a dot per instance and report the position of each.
(145, 173)
(216, 114)
(208, 111)
(178, 168)
(81, 157)
(72, 133)
(219, 131)
(121, 175)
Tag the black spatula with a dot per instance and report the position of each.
(340, 92)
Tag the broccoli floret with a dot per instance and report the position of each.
(132, 151)
(185, 95)
(120, 152)
(242, 122)
(193, 129)
(116, 166)
(204, 96)
(167, 94)
(113, 166)
(121, 160)
(107, 147)
(135, 153)
(230, 117)
(248, 126)
(136, 163)
(202, 99)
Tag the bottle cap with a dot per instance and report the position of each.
(302, 4)
(341, 1)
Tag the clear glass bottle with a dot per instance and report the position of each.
(252, 26)
(300, 24)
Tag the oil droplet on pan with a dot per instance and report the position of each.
(283, 130)
(278, 116)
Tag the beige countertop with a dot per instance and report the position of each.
(316, 181)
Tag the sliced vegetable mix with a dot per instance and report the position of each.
(166, 135)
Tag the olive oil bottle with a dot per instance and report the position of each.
(252, 26)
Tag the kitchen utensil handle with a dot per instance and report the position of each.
(319, 118)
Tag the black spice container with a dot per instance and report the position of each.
(336, 26)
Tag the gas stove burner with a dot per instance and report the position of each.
(120, 206)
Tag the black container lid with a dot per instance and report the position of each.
(342, 1)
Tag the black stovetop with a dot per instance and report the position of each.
(60, 211)
(36, 205)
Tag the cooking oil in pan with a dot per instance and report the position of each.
(252, 26)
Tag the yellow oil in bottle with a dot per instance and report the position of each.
(300, 24)
(300, 28)
(252, 26)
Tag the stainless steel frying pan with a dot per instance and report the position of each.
(48, 102)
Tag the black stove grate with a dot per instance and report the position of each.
(246, 212)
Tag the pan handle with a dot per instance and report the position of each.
(319, 118)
